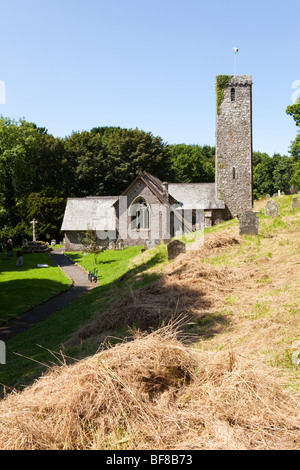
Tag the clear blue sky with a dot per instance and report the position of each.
(73, 65)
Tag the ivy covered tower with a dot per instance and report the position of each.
(234, 143)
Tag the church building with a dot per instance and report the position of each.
(150, 211)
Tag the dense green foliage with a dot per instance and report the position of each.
(294, 111)
(192, 163)
(271, 174)
(38, 172)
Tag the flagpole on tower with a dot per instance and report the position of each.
(235, 53)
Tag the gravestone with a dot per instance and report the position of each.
(120, 245)
(20, 260)
(151, 243)
(271, 208)
(112, 245)
(248, 223)
(2, 353)
(35, 247)
(295, 202)
(218, 221)
(175, 248)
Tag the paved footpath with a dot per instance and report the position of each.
(81, 285)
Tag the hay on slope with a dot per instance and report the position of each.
(188, 289)
(152, 393)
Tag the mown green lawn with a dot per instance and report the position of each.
(111, 264)
(27, 286)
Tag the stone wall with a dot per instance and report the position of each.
(234, 146)
(139, 237)
(72, 239)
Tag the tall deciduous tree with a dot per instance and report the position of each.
(129, 151)
(86, 158)
(192, 163)
(294, 111)
(271, 174)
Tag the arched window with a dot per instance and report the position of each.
(140, 215)
(232, 94)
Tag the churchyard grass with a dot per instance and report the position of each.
(243, 336)
(34, 351)
(111, 264)
(21, 288)
(271, 295)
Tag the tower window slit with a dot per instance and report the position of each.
(232, 94)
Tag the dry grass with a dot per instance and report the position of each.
(230, 390)
(187, 288)
(153, 393)
(222, 240)
(260, 204)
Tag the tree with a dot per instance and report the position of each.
(263, 177)
(295, 148)
(87, 160)
(129, 151)
(192, 163)
(91, 245)
(271, 174)
(294, 111)
(283, 171)
(32, 162)
(106, 160)
(295, 179)
(48, 209)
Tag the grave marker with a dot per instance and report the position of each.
(271, 208)
(248, 223)
(295, 202)
(175, 248)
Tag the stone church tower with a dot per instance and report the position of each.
(234, 143)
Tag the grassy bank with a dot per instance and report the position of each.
(226, 379)
(30, 353)
(24, 287)
(110, 264)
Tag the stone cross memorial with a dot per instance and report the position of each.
(33, 222)
(248, 223)
(271, 208)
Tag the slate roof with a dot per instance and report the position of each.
(155, 185)
(196, 195)
(99, 213)
(96, 213)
